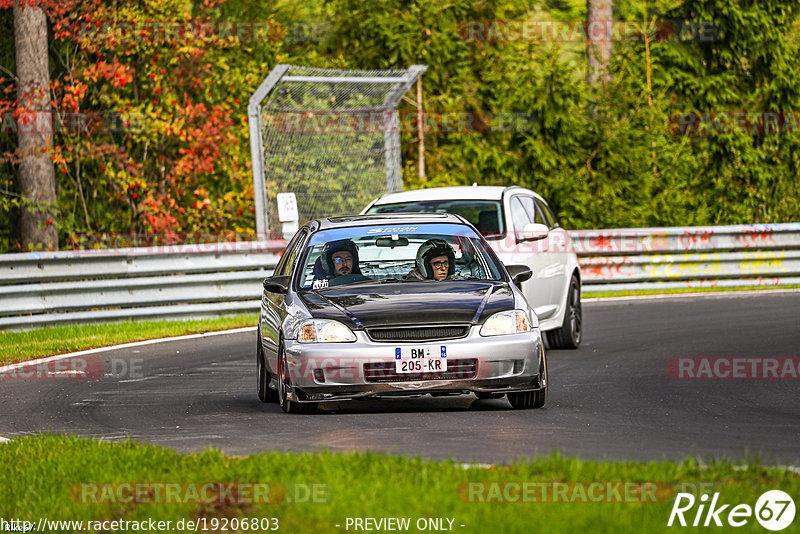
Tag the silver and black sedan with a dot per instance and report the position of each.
(396, 305)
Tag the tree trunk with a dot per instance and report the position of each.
(36, 173)
(599, 31)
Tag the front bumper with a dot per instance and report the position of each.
(345, 371)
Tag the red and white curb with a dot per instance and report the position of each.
(27, 363)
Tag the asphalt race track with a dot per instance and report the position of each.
(613, 398)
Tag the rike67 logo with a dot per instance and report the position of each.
(774, 510)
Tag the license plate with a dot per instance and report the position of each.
(427, 359)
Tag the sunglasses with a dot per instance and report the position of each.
(440, 264)
(342, 260)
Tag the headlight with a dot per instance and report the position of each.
(507, 322)
(324, 331)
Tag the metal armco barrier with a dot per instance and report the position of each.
(148, 282)
(690, 257)
(221, 278)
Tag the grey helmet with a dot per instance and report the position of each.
(431, 249)
(323, 268)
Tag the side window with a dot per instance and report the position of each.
(534, 214)
(286, 264)
(543, 208)
(519, 215)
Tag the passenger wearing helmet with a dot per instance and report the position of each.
(338, 259)
(435, 261)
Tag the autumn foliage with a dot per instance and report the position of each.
(150, 133)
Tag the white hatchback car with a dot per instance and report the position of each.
(521, 228)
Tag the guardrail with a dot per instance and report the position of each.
(218, 278)
(689, 257)
(148, 282)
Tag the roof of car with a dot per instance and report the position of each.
(480, 192)
(388, 218)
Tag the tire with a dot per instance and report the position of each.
(289, 406)
(532, 399)
(265, 394)
(571, 331)
(528, 399)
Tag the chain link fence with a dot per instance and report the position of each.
(331, 137)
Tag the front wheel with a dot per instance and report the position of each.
(284, 381)
(570, 333)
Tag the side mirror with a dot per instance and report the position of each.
(534, 232)
(277, 284)
(519, 273)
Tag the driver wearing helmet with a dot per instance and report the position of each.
(435, 261)
(338, 259)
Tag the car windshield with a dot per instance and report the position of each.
(389, 253)
(485, 215)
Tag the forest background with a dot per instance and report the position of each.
(154, 136)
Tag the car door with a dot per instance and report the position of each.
(273, 305)
(558, 250)
(539, 289)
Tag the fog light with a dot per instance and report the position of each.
(319, 375)
(518, 366)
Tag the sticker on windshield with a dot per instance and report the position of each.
(320, 284)
(391, 229)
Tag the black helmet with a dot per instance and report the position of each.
(431, 249)
(323, 268)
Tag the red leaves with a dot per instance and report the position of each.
(194, 127)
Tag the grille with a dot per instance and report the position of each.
(384, 372)
(418, 333)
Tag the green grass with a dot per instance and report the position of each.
(45, 476)
(25, 345)
(677, 291)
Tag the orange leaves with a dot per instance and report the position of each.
(117, 73)
(147, 158)
(156, 211)
(69, 95)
